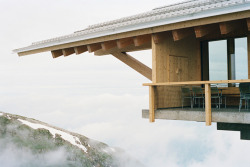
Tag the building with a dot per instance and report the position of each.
(195, 44)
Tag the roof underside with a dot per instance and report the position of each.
(125, 29)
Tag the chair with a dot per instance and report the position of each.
(198, 94)
(186, 94)
(244, 94)
(215, 94)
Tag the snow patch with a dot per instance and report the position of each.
(68, 137)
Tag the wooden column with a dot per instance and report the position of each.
(208, 105)
(151, 104)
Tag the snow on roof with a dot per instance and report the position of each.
(159, 16)
(66, 136)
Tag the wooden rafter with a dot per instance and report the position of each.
(80, 49)
(181, 34)
(123, 43)
(158, 37)
(108, 45)
(248, 24)
(56, 53)
(227, 27)
(201, 31)
(135, 64)
(68, 51)
(94, 47)
(140, 40)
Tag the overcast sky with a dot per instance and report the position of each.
(98, 97)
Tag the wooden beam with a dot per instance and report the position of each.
(108, 45)
(201, 31)
(56, 53)
(140, 40)
(94, 47)
(123, 43)
(208, 105)
(248, 24)
(135, 64)
(227, 27)
(157, 38)
(181, 34)
(68, 51)
(80, 49)
(152, 104)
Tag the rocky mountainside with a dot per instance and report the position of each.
(26, 142)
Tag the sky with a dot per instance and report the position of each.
(98, 96)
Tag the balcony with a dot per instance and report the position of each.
(172, 107)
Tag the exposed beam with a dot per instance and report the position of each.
(140, 40)
(108, 45)
(80, 49)
(181, 34)
(227, 27)
(56, 53)
(201, 31)
(135, 64)
(123, 43)
(158, 37)
(68, 51)
(94, 47)
(248, 24)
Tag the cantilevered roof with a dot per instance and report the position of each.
(179, 12)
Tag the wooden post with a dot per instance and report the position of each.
(208, 105)
(151, 104)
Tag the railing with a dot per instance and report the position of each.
(208, 114)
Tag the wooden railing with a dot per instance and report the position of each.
(208, 114)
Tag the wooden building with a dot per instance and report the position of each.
(194, 43)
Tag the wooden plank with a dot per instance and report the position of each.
(248, 24)
(140, 40)
(68, 51)
(227, 27)
(196, 82)
(80, 49)
(125, 42)
(181, 34)
(108, 45)
(56, 53)
(208, 105)
(151, 104)
(135, 64)
(94, 47)
(168, 27)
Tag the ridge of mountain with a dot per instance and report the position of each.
(29, 142)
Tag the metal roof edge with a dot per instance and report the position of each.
(145, 25)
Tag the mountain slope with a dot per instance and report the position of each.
(28, 142)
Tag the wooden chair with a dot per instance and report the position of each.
(216, 95)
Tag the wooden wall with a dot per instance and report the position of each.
(174, 61)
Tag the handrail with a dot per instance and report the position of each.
(196, 82)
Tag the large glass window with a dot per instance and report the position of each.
(241, 58)
(217, 60)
